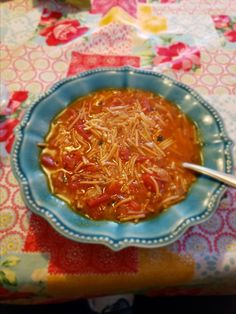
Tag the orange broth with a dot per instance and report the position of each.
(116, 154)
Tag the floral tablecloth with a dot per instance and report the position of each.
(42, 42)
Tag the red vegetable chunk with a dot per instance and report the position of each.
(124, 153)
(96, 201)
(148, 181)
(79, 127)
(48, 161)
(70, 160)
(114, 188)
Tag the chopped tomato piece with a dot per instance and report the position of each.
(92, 168)
(113, 188)
(148, 182)
(96, 213)
(74, 186)
(99, 200)
(138, 191)
(127, 208)
(124, 153)
(134, 187)
(115, 101)
(146, 105)
(79, 127)
(70, 160)
(132, 205)
(48, 161)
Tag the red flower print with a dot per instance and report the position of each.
(6, 133)
(177, 48)
(49, 17)
(231, 35)
(6, 129)
(180, 55)
(16, 99)
(221, 21)
(164, 54)
(62, 32)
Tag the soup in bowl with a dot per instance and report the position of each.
(99, 157)
(117, 154)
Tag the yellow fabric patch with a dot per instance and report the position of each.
(117, 15)
(154, 24)
(148, 21)
(144, 11)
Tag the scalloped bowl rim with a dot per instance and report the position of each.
(117, 242)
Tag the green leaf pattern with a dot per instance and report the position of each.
(7, 275)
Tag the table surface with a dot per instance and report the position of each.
(193, 41)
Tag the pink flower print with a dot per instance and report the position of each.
(221, 21)
(180, 55)
(103, 6)
(187, 59)
(62, 32)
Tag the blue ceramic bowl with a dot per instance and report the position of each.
(202, 199)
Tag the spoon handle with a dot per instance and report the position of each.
(229, 179)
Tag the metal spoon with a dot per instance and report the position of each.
(229, 179)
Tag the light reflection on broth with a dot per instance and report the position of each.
(116, 154)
